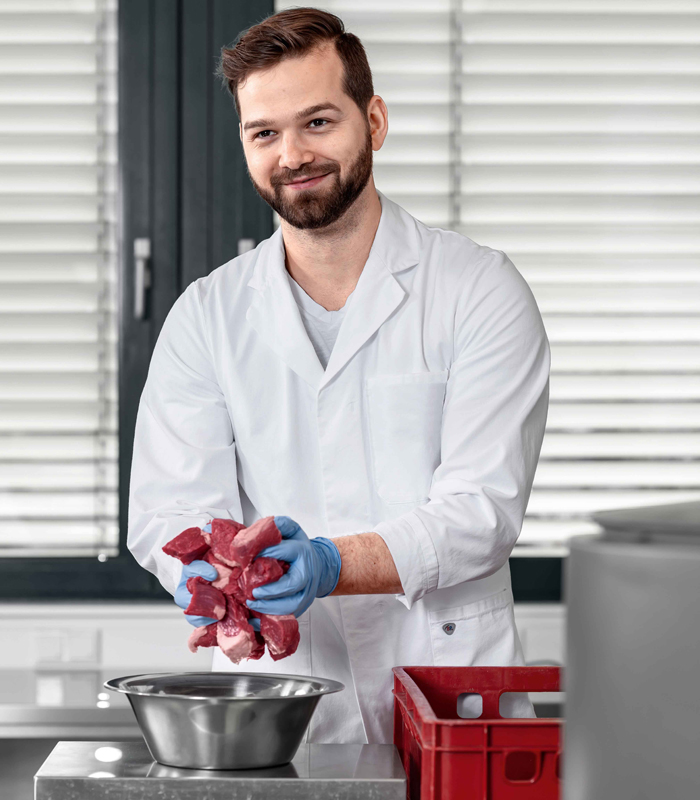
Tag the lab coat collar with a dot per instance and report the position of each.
(274, 314)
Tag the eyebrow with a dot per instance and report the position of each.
(307, 112)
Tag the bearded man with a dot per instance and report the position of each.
(378, 385)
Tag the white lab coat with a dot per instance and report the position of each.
(425, 427)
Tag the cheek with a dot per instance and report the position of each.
(260, 163)
(334, 154)
(345, 148)
(345, 151)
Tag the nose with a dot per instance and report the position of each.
(293, 152)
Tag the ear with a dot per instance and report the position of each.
(378, 117)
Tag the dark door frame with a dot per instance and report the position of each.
(183, 185)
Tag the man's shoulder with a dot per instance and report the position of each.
(233, 275)
(458, 267)
(455, 255)
(442, 252)
(228, 288)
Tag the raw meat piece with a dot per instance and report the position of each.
(224, 599)
(249, 542)
(223, 532)
(263, 570)
(258, 635)
(281, 633)
(207, 601)
(211, 558)
(203, 637)
(259, 649)
(188, 546)
(228, 526)
(222, 570)
(234, 633)
(193, 581)
(234, 586)
(228, 577)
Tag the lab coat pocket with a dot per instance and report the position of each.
(405, 420)
(477, 634)
(480, 634)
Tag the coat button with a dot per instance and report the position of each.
(449, 628)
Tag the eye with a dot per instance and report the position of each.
(324, 121)
(261, 135)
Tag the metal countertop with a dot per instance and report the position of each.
(102, 770)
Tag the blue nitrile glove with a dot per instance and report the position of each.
(183, 597)
(314, 571)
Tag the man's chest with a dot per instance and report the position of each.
(376, 425)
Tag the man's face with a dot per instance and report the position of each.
(308, 147)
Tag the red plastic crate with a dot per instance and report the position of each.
(489, 758)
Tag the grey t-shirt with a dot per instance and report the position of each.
(322, 326)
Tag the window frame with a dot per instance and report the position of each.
(176, 167)
(182, 183)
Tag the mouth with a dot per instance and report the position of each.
(307, 183)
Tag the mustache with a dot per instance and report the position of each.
(290, 175)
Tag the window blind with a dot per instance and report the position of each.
(58, 390)
(566, 135)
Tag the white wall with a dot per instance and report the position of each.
(124, 636)
(119, 636)
(542, 629)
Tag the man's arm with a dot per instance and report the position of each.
(366, 566)
(492, 428)
(493, 423)
(183, 471)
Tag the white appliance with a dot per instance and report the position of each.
(633, 657)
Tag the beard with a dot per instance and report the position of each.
(314, 208)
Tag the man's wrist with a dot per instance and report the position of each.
(368, 566)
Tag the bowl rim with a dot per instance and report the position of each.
(330, 687)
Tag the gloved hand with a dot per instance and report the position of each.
(183, 597)
(314, 571)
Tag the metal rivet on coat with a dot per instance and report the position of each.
(449, 628)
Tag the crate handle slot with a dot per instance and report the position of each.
(465, 707)
(522, 766)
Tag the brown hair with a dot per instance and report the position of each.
(292, 33)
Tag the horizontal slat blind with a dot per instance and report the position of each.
(579, 158)
(567, 135)
(58, 313)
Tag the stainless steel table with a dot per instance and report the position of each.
(110, 770)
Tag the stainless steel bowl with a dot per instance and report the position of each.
(223, 720)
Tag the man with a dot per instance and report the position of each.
(380, 386)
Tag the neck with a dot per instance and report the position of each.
(328, 262)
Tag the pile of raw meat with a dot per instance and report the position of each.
(231, 549)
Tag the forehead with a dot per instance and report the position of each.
(294, 83)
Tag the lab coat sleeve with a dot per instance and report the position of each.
(494, 416)
(183, 471)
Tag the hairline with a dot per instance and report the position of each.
(326, 43)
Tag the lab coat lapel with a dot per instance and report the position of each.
(377, 293)
(274, 313)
